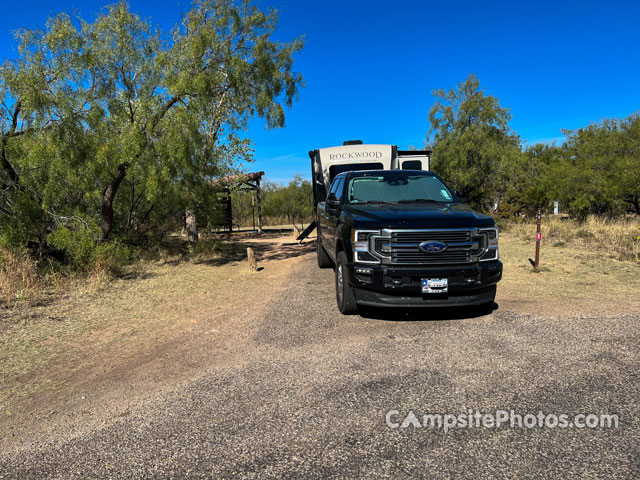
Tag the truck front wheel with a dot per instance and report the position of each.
(324, 261)
(344, 292)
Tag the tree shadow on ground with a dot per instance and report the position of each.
(427, 313)
(236, 251)
(136, 275)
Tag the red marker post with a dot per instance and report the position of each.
(538, 238)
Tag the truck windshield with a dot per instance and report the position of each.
(398, 187)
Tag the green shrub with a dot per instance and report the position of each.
(86, 254)
(112, 256)
(206, 246)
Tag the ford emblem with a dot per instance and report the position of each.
(433, 247)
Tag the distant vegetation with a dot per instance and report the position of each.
(595, 171)
(290, 204)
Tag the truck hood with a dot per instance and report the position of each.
(437, 215)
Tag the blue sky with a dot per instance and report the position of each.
(370, 65)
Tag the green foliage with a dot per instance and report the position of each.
(291, 203)
(85, 253)
(23, 220)
(124, 125)
(595, 171)
(208, 246)
(473, 148)
(603, 159)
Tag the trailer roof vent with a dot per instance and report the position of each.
(352, 142)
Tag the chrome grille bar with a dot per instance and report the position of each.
(401, 247)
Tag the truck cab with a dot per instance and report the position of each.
(401, 238)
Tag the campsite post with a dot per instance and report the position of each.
(538, 238)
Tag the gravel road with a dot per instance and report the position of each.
(312, 395)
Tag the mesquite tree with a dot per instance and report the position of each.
(473, 147)
(128, 122)
(41, 147)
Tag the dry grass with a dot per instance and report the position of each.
(26, 280)
(613, 237)
(19, 280)
(586, 268)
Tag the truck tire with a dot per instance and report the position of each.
(324, 261)
(488, 307)
(344, 292)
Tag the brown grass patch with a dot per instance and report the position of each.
(586, 268)
(19, 279)
(611, 237)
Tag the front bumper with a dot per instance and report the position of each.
(402, 286)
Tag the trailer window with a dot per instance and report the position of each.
(412, 165)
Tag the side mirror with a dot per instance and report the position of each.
(332, 203)
(460, 196)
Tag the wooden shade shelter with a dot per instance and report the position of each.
(246, 181)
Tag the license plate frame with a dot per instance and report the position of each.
(435, 285)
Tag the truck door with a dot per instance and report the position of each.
(323, 217)
(331, 217)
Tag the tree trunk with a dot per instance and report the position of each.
(192, 226)
(6, 166)
(106, 220)
(635, 203)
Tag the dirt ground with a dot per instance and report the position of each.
(146, 331)
(201, 384)
(158, 327)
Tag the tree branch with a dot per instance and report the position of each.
(14, 118)
(163, 110)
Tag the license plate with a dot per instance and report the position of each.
(435, 285)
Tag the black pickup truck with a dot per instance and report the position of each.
(402, 238)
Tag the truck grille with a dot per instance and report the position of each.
(432, 235)
(402, 247)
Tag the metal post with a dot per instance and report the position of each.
(538, 238)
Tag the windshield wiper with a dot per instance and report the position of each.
(384, 202)
(421, 200)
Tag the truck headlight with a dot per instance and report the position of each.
(360, 242)
(491, 244)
